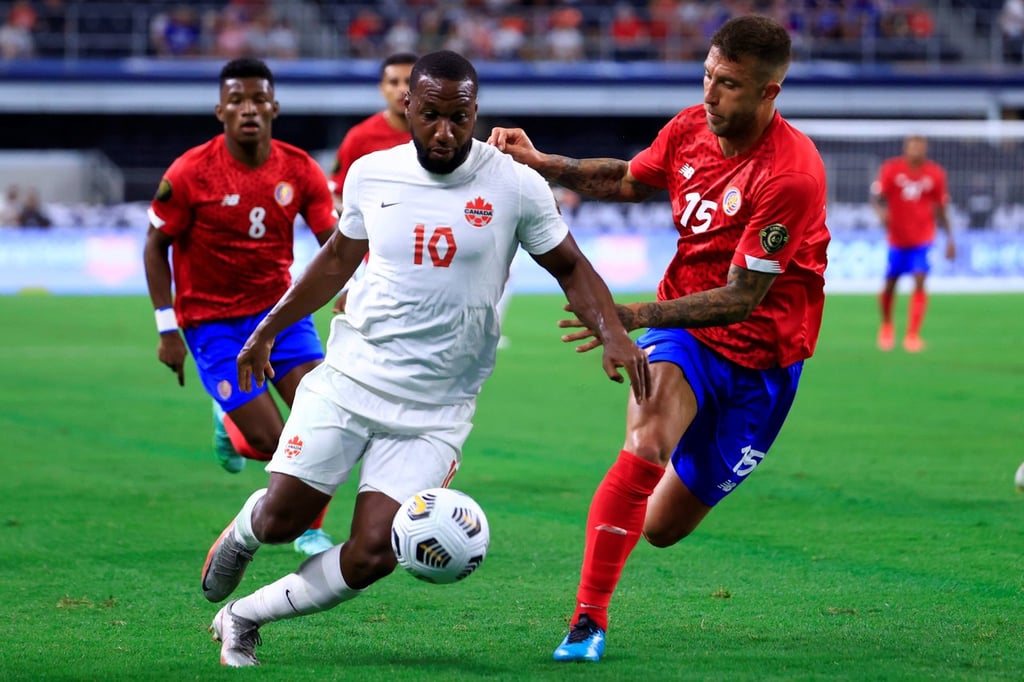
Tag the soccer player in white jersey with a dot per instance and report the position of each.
(441, 217)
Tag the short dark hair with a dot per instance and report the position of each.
(397, 58)
(760, 37)
(246, 67)
(445, 65)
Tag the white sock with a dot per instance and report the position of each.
(316, 586)
(243, 522)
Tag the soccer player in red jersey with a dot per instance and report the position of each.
(384, 129)
(910, 197)
(737, 312)
(228, 208)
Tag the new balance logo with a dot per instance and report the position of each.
(687, 171)
(230, 200)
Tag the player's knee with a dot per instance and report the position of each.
(275, 528)
(664, 537)
(651, 451)
(263, 443)
(367, 562)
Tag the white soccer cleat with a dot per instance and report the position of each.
(1018, 479)
(238, 636)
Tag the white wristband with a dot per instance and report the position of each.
(166, 320)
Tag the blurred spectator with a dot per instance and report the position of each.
(629, 34)
(282, 43)
(565, 39)
(176, 33)
(510, 38)
(364, 33)
(16, 40)
(232, 33)
(1011, 23)
(402, 36)
(10, 207)
(32, 213)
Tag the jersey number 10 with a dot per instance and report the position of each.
(440, 234)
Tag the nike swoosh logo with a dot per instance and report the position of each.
(393, 203)
(288, 596)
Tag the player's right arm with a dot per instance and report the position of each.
(330, 268)
(171, 350)
(605, 179)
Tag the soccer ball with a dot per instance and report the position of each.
(440, 535)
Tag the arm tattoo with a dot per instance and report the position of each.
(597, 178)
(712, 308)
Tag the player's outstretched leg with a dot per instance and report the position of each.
(228, 457)
(585, 642)
(238, 636)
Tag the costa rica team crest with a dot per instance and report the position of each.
(284, 193)
(731, 201)
(479, 212)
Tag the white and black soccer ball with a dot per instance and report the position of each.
(440, 535)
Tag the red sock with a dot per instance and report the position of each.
(319, 522)
(241, 445)
(885, 304)
(918, 305)
(614, 525)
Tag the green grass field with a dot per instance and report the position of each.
(881, 539)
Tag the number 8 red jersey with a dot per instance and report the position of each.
(233, 226)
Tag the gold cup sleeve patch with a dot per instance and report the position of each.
(773, 237)
(163, 192)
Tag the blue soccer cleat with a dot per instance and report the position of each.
(585, 642)
(222, 447)
(313, 541)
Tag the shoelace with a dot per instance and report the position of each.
(247, 637)
(582, 631)
(233, 554)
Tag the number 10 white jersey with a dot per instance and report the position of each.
(421, 324)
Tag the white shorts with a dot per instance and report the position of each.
(336, 422)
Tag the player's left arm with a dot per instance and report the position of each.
(590, 299)
(942, 215)
(785, 206)
(330, 268)
(318, 208)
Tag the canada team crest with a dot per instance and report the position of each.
(479, 212)
(284, 193)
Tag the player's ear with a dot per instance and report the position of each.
(277, 108)
(218, 111)
(772, 90)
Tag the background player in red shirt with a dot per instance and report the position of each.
(383, 130)
(909, 197)
(228, 208)
(737, 312)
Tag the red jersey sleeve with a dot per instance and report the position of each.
(777, 227)
(318, 209)
(649, 165)
(171, 210)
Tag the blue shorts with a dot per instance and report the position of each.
(739, 412)
(215, 346)
(903, 261)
